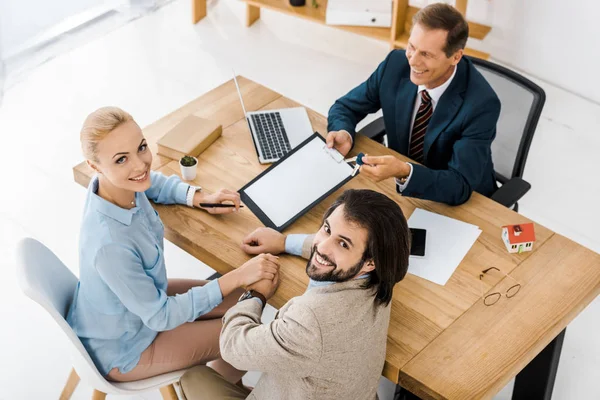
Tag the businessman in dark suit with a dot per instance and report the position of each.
(437, 109)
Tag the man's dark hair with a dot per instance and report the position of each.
(388, 237)
(445, 17)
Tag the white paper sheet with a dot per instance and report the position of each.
(448, 241)
(298, 182)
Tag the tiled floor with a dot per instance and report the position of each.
(156, 64)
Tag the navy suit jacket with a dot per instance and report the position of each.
(457, 146)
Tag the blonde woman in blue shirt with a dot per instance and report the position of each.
(132, 320)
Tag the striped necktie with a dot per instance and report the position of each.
(420, 127)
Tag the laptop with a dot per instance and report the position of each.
(276, 132)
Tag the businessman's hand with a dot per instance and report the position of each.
(340, 140)
(384, 167)
(266, 287)
(264, 240)
(221, 196)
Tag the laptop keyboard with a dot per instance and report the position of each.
(272, 138)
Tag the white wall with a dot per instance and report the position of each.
(554, 40)
(22, 20)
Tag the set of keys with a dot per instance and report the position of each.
(358, 160)
(339, 158)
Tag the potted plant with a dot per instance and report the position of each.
(188, 167)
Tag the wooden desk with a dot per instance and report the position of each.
(442, 341)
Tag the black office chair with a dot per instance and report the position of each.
(522, 103)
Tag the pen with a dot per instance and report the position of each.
(217, 205)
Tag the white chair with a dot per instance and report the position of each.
(47, 281)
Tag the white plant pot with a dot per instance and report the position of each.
(188, 173)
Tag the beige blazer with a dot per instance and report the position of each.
(328, 343)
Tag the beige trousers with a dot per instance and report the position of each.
(190, 344)
(200, 383)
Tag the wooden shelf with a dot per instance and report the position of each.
(402, 21)
(476, 30)
(476, 53)
(318, 15)
(402, 42)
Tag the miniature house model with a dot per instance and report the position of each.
(518, 238)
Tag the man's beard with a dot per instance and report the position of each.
(333, 275)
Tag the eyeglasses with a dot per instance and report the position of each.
(492, 298)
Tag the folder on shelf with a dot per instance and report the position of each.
(376, 13)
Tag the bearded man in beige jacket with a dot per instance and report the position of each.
(330, 342)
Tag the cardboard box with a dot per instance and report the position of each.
(190, 137)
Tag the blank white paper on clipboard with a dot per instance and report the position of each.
(448, 241)
(296, 183)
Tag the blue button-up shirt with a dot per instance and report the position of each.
(121, 303)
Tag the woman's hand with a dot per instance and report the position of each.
(221, 196)
(264, 266)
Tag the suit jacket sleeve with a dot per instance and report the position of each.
(349, 110)
(465, 170)
(291, 344)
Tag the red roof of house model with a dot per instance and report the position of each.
(527, 233)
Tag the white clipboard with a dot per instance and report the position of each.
(296, 183)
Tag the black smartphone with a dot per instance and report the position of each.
(417, 247)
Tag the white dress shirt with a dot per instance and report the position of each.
(435, 94)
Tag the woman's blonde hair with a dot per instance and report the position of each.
(97, 126)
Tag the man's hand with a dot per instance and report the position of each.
(264, 240)
(339, 140)
(266, 287)
(222, 196)
(384, 167)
